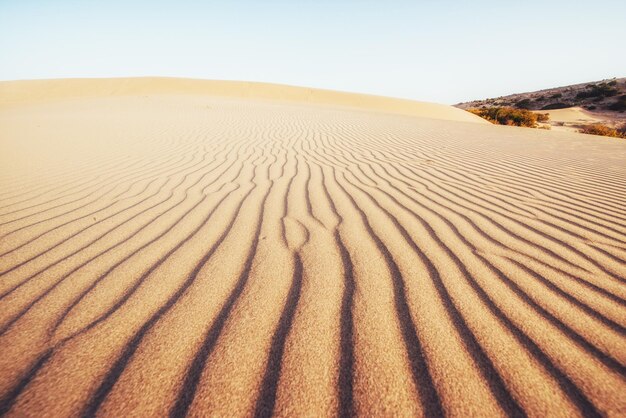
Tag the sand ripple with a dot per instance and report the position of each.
(202, 255)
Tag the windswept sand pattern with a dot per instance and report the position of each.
(196, 255)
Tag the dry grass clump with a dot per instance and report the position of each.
(510, 116)
(604, 130)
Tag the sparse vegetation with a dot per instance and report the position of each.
(598, 90)
(557, 105)
(510, 116)
(602, 94)
(605, 98)
(619, 105)
(603, 130)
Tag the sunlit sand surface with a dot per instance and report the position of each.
(183, 247)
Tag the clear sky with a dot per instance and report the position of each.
(442, 51)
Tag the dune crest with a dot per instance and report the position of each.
(29, 91)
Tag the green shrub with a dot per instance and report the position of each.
(586, 94)
(602, 130)
(597, 90)
(557, 105)
(619, 105)
(507, 116)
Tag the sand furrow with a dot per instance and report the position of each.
(233, 251)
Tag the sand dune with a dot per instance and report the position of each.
(572, 118)
(219, 249)
(29, 91)
(572, 115)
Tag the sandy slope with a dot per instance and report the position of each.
(30, 91)
(218, 255)
(571, 119)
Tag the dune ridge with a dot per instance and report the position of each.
(29, 91)
(208, 254)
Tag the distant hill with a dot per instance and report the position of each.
(599, 96)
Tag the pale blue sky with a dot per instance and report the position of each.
(442, 51)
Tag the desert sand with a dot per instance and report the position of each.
(184, 247)
(572, 119)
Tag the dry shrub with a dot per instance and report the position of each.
(508, 116)
(603, 130)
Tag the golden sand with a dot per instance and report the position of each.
(202, 248)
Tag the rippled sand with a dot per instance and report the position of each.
(235, 249)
